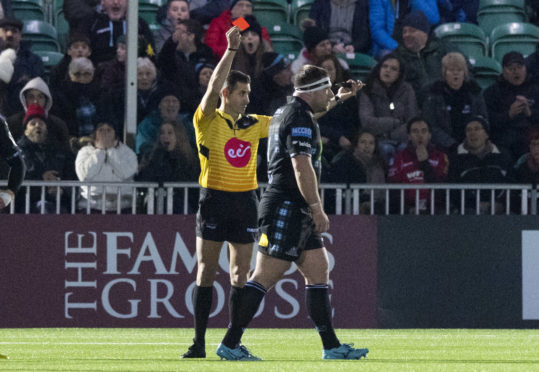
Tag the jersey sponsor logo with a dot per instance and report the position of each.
(238, 152)
(302, 143)
(302, 132)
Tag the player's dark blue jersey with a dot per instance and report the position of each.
(293, 131)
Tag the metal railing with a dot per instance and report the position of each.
(374, 199)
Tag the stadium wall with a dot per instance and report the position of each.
(387, 271)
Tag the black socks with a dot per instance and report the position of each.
(317, 301)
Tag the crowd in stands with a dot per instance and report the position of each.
(421, 118)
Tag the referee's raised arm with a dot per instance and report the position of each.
(218, 78)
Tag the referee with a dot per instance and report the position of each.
(292, 218)
(10, 152)
(227, 142)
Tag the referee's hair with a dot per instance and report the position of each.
(308, 74)
(234, 77)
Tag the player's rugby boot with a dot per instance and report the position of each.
(345, 351)
(239, 354)
(195, 351)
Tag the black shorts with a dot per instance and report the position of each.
(286, 229)
(230, 216)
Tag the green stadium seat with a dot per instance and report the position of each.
(360, 64)
(50, 60)
(62, 28)
(468, 37)
(485, 70)
(147, 9)
(271, 12)
(29, 9)
(300, 10)
(286, 38)
(515, 36)
(43, 35)
(493, 13)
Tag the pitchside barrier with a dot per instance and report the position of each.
(389, 271)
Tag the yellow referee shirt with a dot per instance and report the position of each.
(227, 149)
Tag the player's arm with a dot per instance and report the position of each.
(347, 91)
(219, 75)
(15, 160)
(308, 187)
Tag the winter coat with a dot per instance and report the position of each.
(162, 34)
(377, 115)
(216, 33)
(361, 38)
(116, 164)
(437, 111)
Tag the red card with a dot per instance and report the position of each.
(241, 23)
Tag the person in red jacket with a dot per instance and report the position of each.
(215, 35)
(419, 163)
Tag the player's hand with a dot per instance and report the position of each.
(320, 219)
(233, 37)
(349, 91)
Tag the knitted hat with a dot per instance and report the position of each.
(480, 119)
(312, 36)
(167, 89)
(14, 22)
(274, 63)
(233, 3)
(254, 26)
(512, 57)
(34, 111)
(199, 66)
(7, 58)
(418, 20)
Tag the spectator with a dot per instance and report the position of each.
(5, 9)
(385, 21)
(419, 163)
(270, 89)
(249, 56)
(77, 12)
(532, 66)
(205, 11)
(167, 111)
(79, 47)
(526, 169)
(172, 159)
(45, 161)
(104, 28)
(386, 105)
(215, 35)
(346, 22)
(176, 11)
(80, 98)
(512, 105)
(203, 73)
(178, 58)
(111, 74)
(316, 46)
(338, 126)
(37, 92)
(360, 164)
(479, 161)
(452, 101)
(147, 88)
(106, 159)
(27, 65)
(7, 58)
(420, 52)
(458, 10)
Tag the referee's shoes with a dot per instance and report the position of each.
(238, 354)
(345, 351)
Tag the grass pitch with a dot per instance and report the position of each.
(290, 350)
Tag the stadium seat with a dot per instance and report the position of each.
(493, 13)
(50, 59)
(147, 9)
(286, 38)
(62, 27)
(29, 9)
(468, 37)
(360, 64)
(300, 10)
(271, 12)
(515, 36)
(485, 70)
(43, 35)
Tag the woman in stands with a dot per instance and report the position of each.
(386, 104)
(249, 57)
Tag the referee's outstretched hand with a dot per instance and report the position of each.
(233, 37)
